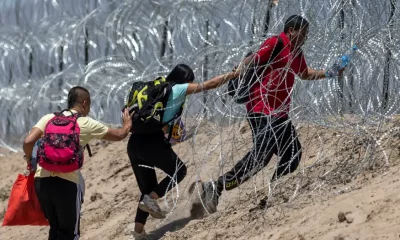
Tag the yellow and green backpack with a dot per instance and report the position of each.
(148, 100)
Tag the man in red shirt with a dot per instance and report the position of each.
(268, 109)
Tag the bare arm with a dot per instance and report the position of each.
(262, 55)
(211, 83)
(30, 140)
(118, 134)
(312, 74)
(247, 62)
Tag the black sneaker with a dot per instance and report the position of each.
(210, 196)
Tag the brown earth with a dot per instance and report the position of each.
(345, 189)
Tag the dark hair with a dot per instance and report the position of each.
(181, 74)
(296, 22)
(76, 95)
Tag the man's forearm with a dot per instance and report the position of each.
(30, 140)
(247, 61)
(219, 80)
(123, 132)
(28, 148)
(312, 74)
(117, 134)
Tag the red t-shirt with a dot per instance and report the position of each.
(272, 95)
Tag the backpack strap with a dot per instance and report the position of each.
(87, 145)
(65, 110)
(277, 49)
(161, 79)
(78, 115)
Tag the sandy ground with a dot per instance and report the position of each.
(339, 175)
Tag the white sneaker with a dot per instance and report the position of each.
(150, 205)
(139, 236)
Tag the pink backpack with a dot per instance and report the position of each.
(59, 150)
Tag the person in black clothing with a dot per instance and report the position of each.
(268, 110)
(147, 151)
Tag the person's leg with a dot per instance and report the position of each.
(264, 146)
(171, 165)
(82, 186)
(160, 154)
(67, 200)
(43, 188)
(145, 177)
(289, 151)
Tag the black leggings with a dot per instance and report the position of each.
(271, 135)
(153, 151)
(60, 200)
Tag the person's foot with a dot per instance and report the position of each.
(204, 200)
(197, 210)
(138, 236)
(150, 205)
(210, 196)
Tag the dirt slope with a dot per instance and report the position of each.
(339, 173)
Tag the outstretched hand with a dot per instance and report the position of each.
(341, 71)
(127, 118)
(334, 73)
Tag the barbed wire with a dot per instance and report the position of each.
(49, 46)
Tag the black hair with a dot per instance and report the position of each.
(296, 22)
(181, 74)
(76, 95)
